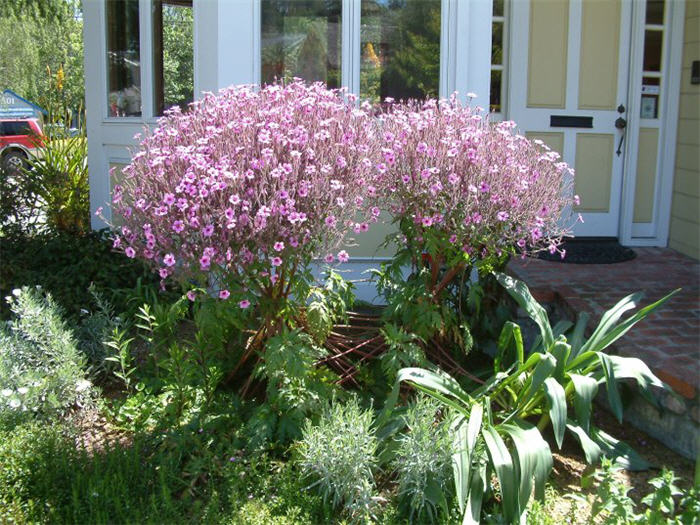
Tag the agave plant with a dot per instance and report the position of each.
(497, 427)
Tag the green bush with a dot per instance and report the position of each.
(423, 460)
(41, 368)
(340, 454)
(66, 265)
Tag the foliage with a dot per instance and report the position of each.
(614, 505)
(339, 453)
(295, 387)
(422, 462)
(178, 56)
(403, 351)
(58, 176)
(65, 265)
(499, 439)
(41, 369)
(39, 39)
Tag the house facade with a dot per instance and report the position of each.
(611, 84)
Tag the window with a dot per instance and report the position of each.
(18, 127)
(498, 31)
(301, 38)
(653, 58)
(123, 58)
(400, 49)
(173, 54)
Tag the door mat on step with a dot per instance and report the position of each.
(591, 250)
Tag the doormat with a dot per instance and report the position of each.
(590, 250)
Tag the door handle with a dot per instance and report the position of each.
(620, 124)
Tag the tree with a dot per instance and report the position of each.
(41, 52)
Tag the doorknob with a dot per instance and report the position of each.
(620, 108)
(620, 123)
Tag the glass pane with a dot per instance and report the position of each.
(497, 43)
(301, 38)
(173, 54)
(400, 42)
(495, 100)
(498, 8)
(123, 58)
(655, 12)
(653, 41)
(650, 97)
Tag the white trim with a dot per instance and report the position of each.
(350, 43)
(472, 50)
(146, 58)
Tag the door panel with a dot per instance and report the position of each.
(571, 55)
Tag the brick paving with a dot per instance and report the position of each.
(668, 340)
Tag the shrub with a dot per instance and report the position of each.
(41, 368)
(242, 191)
(490, 427)
(463, 189)
(339, 453)
(65, 265)
(423, 460)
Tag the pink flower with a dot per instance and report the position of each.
(343, 256)
(502, 216)
(245, 303)
(192, 295)
(204, 262)
(169, 259)
(224, 294)
(208, 230)
(427, 222)
(130, 252)
(163, 272)
(178, 226)
(279, 246)
(329, 258)
(276, 261)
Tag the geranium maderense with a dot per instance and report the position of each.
(250, 184)
(465, 189)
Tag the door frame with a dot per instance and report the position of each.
(657, 234)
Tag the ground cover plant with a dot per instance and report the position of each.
(249, 391)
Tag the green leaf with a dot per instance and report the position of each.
(611, 384)
(461, 460)
(510, 333)
(576, 338)
(585, 390)
(561, 327)
(534, 459)
(607, 333)
(556, 399)
(590, 448)
(520, 292)
(624, 455)
(505, 470)
(544, 368)
(475, 419)
(477, 489)
(634, 368)
(436, 381)
(561, 351)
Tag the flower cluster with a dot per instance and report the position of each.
(250, 181)
(474, 188)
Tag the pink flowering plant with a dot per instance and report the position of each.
(243, 191)
(466, 192)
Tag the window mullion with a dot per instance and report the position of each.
(146, 37)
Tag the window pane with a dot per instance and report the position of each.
(652, 50)
(498, 8)
(495, 100)
(400, 43)
(173, 54)
(301, 38)
(123, 58)
(655, 12)
(497, 43)
(650, 97)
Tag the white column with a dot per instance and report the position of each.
(238, 42)
(472, 48)
(206, 33)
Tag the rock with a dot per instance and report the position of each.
(674, 404)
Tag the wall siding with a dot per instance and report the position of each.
(684, 234)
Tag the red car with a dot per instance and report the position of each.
(18, 140)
